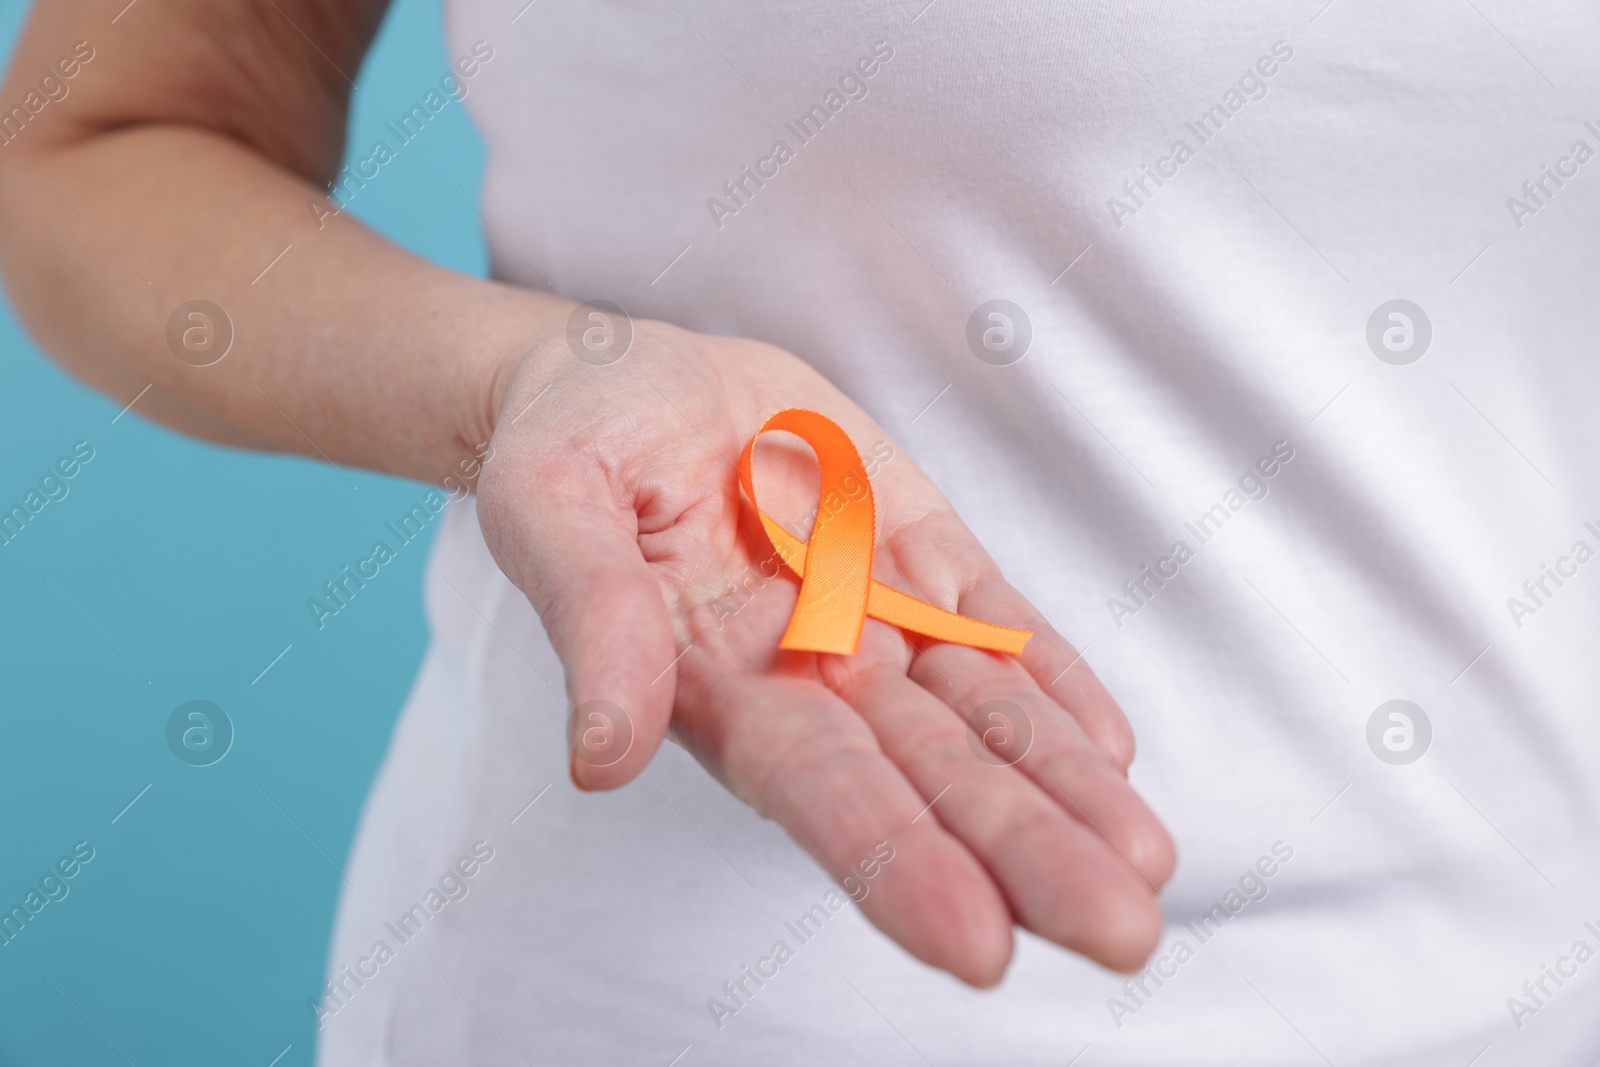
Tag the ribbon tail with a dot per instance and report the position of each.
(907, 612)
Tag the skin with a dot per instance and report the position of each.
(184, 159)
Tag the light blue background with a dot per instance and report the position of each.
(197, 934)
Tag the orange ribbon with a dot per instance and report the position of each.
(837, 590)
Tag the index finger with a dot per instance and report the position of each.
(797, 753)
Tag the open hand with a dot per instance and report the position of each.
(613, 503)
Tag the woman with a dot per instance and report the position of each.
(1143, 293)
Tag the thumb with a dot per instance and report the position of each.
(576, 556)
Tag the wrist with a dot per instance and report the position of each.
(514, 322)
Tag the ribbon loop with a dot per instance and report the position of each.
(837, 590)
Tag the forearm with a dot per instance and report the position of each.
(346, 347)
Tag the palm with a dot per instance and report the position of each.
(614, 504)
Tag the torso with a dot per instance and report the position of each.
(1183, 331)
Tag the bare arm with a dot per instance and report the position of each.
(181, 161)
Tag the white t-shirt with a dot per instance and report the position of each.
(1205, 214)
